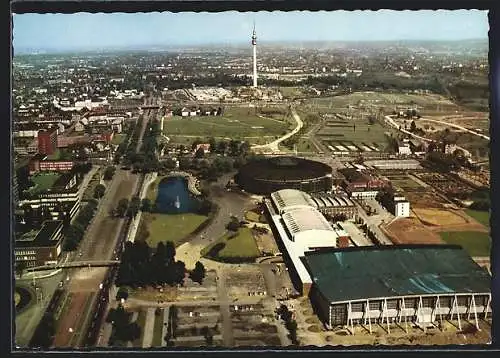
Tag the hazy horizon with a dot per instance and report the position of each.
(143, 31)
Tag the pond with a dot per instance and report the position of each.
(174, 197)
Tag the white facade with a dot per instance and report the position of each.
(364, 194)
(402, 209)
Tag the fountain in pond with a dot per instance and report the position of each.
(177, 203)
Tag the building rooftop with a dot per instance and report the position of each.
(360, 273)
(47, 236)
(325, 200)
(287, 199)
(304, 219)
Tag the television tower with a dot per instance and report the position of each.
(254, 46)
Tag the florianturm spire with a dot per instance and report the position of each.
(254, 46)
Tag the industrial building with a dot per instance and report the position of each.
(40, 163)
(396, 286)
(360, 183)
(394, 164)
(298, 228)
(42, 247)
(287, 199)
(47, 141)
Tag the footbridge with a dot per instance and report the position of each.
(75, 264)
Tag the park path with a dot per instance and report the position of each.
(147, 339)
(274, 146)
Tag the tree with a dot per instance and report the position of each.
(134, 207)
(213, 144)
(413, 127)
(200, 153)
(169, 252)
(122, 207)
(122, 293)
(221, 147)
(109, 172)
(146, 204)
(233, 224)
(99, 191)
(20, 267)
(198, 274)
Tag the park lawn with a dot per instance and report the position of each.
(170, 227)
(43, 181)
(118, 138)
(481, 216)
(474, 242)
(242, 246)
(158, 330)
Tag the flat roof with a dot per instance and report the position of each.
(304, 219)
(44, 237)
(287, 198)
(360, 273)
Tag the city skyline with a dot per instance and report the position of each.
(83, 31)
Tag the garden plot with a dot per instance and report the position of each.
(198, 326)
(253, 325)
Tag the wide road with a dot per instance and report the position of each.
(100, 240)
(274, 146)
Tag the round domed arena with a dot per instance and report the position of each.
(268, 175)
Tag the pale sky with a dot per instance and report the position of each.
(97, 31)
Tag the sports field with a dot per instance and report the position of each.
(236, 123)
(475, 243)
(358, 133)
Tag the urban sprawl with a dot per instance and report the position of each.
(263, 195)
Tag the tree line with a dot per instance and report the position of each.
(73, 233)
(142, 266)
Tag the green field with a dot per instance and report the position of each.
(364, 133)
(17, 298)
(377, 99)
(169, 227)
(241, 246)
(237, 123)
(157, 330)
(482, 216)
(118, 138)
(43, 181)
(475, 243)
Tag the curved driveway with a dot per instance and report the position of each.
(274, 146)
